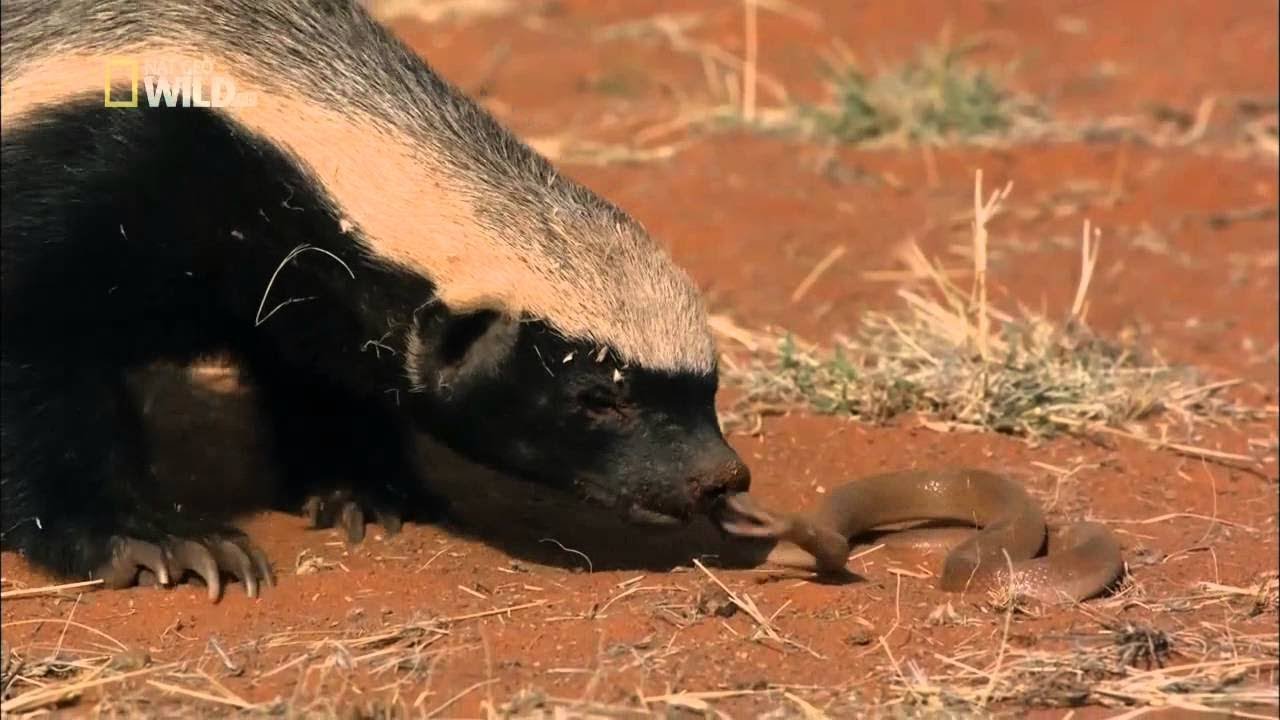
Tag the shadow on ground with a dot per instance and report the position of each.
(210, 448)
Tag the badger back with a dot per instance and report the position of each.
(418, 175)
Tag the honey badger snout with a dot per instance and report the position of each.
(693, 479)
(723, 473)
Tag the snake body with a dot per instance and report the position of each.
(1083, 558)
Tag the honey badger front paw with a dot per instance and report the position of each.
(134, 561)
(349, 510)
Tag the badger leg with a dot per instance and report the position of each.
(78, 495)
(345, 460)
(343, 507)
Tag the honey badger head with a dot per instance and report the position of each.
(539, 329)
(610, 392)
(523, 399)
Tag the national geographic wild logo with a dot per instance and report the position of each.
(130, 81)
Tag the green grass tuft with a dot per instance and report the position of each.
(935, 97)
(903, 363)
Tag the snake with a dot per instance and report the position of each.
(1081, 559)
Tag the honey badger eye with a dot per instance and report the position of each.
(602, 406)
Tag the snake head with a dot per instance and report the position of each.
(817, 547)
(739, 514)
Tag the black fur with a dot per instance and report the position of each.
(148, 235)
(211, 445)
(151, 234)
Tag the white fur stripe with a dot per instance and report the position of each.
(418, 212)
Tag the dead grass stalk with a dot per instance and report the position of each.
(963, 364)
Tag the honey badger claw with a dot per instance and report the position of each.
(128, 558)
(135, 562)
(343, 509)
(242, 560)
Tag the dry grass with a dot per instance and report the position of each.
(964, 364)
(44, 675)
(936, 98)
(1123, 665)
(389, 671)
(353, 670)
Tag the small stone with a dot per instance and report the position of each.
(859, 638)
(130, 660)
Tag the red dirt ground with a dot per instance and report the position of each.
(749, 216)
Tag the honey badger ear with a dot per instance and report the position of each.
(475, 344)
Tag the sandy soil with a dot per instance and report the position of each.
(615, 615)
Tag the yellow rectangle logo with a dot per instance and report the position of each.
(129, 69)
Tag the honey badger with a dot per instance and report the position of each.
(377, 252)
